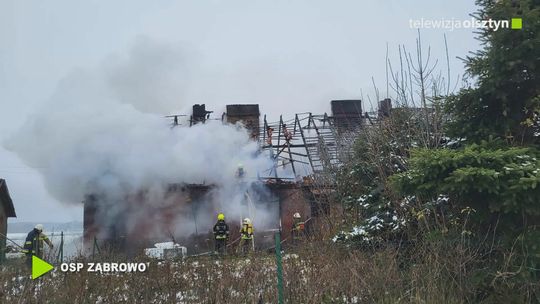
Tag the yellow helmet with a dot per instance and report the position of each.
(247, 221)
(221, 217)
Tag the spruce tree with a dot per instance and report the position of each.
(504, 100)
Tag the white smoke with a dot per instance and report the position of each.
(103, 131)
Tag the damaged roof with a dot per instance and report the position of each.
(5, 199)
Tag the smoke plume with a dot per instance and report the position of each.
(103, 131)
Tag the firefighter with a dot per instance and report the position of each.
(297, 232)
(246, 240)
(221, 234)
(269, 132)
(286, 133)
(240, 172)
(34, 244)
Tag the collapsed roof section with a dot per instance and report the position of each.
(302, 145)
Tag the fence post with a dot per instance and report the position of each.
(95, 247)
(279, 267)
(62, 247)
(3, 249)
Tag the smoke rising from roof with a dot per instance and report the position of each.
(103, 131)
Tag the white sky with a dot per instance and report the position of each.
(288, 56)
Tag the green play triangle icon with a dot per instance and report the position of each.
(40, 267)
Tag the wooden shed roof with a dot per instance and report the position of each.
(5, 199)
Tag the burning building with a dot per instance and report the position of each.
(303, 152)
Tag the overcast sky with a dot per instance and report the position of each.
(288, 56)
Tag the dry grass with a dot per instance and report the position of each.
(313, 273)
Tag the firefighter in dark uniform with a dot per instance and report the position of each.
(221, 234)
(33, 244)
